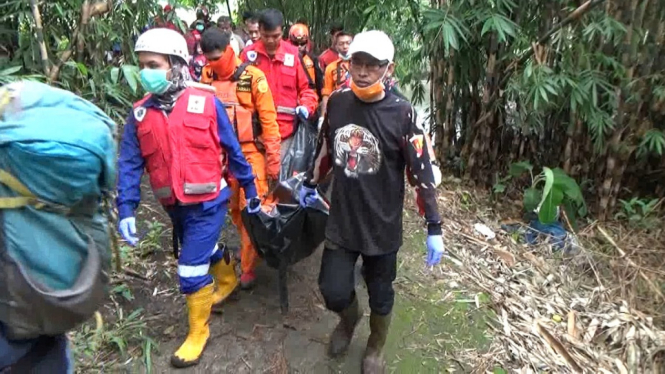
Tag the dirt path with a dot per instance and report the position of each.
(251, 335)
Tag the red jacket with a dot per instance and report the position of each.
(327, 57)
(178, 150)
(287, 81)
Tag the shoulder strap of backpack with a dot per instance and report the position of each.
(309, 79)
(25, 196)
(240, 70)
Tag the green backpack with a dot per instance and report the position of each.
(57, 164)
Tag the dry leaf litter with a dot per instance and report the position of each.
(549, 318)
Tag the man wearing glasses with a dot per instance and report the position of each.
(368, 139)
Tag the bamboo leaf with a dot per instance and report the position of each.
(487, 26)
(130, 72)
(11, 70)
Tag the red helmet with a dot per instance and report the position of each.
(299, 34)
(167, 8)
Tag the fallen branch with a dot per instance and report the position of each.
(39, 29)
(630, 262)
(558, 347)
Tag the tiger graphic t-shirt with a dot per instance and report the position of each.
(369, 146)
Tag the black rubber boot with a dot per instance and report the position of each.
(374, 363)
(343, 333)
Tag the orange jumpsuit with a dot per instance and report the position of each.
(309, 67)
(253, 94)
(335, 76)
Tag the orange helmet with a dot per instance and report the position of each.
(299, 34)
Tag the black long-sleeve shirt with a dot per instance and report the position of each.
(368, 147)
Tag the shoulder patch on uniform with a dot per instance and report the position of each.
(201, 86)
(139, 113)
(251, 56)
(244, 84)
(262, 85)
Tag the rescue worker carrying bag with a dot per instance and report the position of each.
(57, 163)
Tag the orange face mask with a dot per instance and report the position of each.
(225, 65)
(371, 92)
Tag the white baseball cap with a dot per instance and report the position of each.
(375, 43)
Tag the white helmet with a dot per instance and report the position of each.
(163, 41)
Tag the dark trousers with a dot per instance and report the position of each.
(337, 284)
(44, 355)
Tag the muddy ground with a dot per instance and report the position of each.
(252, 336)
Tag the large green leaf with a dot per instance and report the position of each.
(551, 202)
(131, 75)
(571, 190)
(531, 199)
(548, 175)
(11, 70)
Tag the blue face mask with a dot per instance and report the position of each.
(200, 27)
(154, 80)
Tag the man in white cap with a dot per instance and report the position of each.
(368, 139)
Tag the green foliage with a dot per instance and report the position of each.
(93, 344)
(87, 67)
(652, 142)
(640, 213)
(548, 192)
(401, 19)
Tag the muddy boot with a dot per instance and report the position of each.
(343, 333)
(226, 281)
(374, 363)
(199, 304)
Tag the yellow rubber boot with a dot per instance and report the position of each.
(199, 305)
(226, 280)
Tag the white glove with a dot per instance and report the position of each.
(302, 112)
(437, 175)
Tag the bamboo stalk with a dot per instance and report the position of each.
(573, 16)
(39, 29)
(88, 11)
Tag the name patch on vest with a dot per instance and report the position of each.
(196, 104)
(289, 59)
(244, 84)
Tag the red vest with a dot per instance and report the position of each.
(181, 152)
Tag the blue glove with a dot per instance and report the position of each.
(127, 228)
(435, 249)
(302, 112)
(308, 196)
(253, 205)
